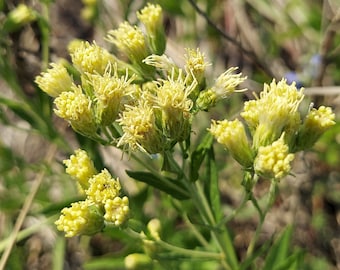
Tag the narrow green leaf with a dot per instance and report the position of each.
(279, 251)
(199, 154)
(165, 184)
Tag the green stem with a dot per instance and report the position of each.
(262, 214)
(176, 249)
(220, 235)
(193, 229)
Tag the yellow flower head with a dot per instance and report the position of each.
(140, 130)
(80, 167)
(55, 80)
(173, 106)
(138, 261)
(315, 124)
(195, 64)
(232, 135)
(102, 187)
(90, 58)
(108, 90)
(129, 40)
(275, 112)
(225, 85)
(273, 161)
(75, 107)
(152, 18)
(162, 62)
(82, 218)
(18, 17)
(117, 210)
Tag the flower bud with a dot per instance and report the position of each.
(18, 17)
(314, 125)
(273, 161)
(81, 167)
(152, 18)
(137, 261)
(82, 218)
(55, 80)
(232, 135)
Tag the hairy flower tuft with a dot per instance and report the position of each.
(90, 58)
(232, 135)
(225, 85)
(129, 40)
(75, 107)
(140, 129)
(108, 89)
(280, 103)
(55, 80)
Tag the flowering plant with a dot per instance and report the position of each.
(141, 102)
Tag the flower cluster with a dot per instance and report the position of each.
(277, 130)
(102, 204)
(138, 98)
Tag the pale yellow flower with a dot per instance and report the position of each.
(273, 161)
(232, 135)
(152, 18)
(275, 112)
(82, 218)
(80, 167)
(109, 90)
(75, 107)
(195, 64)
(173, 107)
(314, 125)
(103, 187)
(225, 85)
(117, 210)
(140, 130)
(129, 40)
(90, 58)
(55, 80)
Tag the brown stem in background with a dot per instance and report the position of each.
(250, 54)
